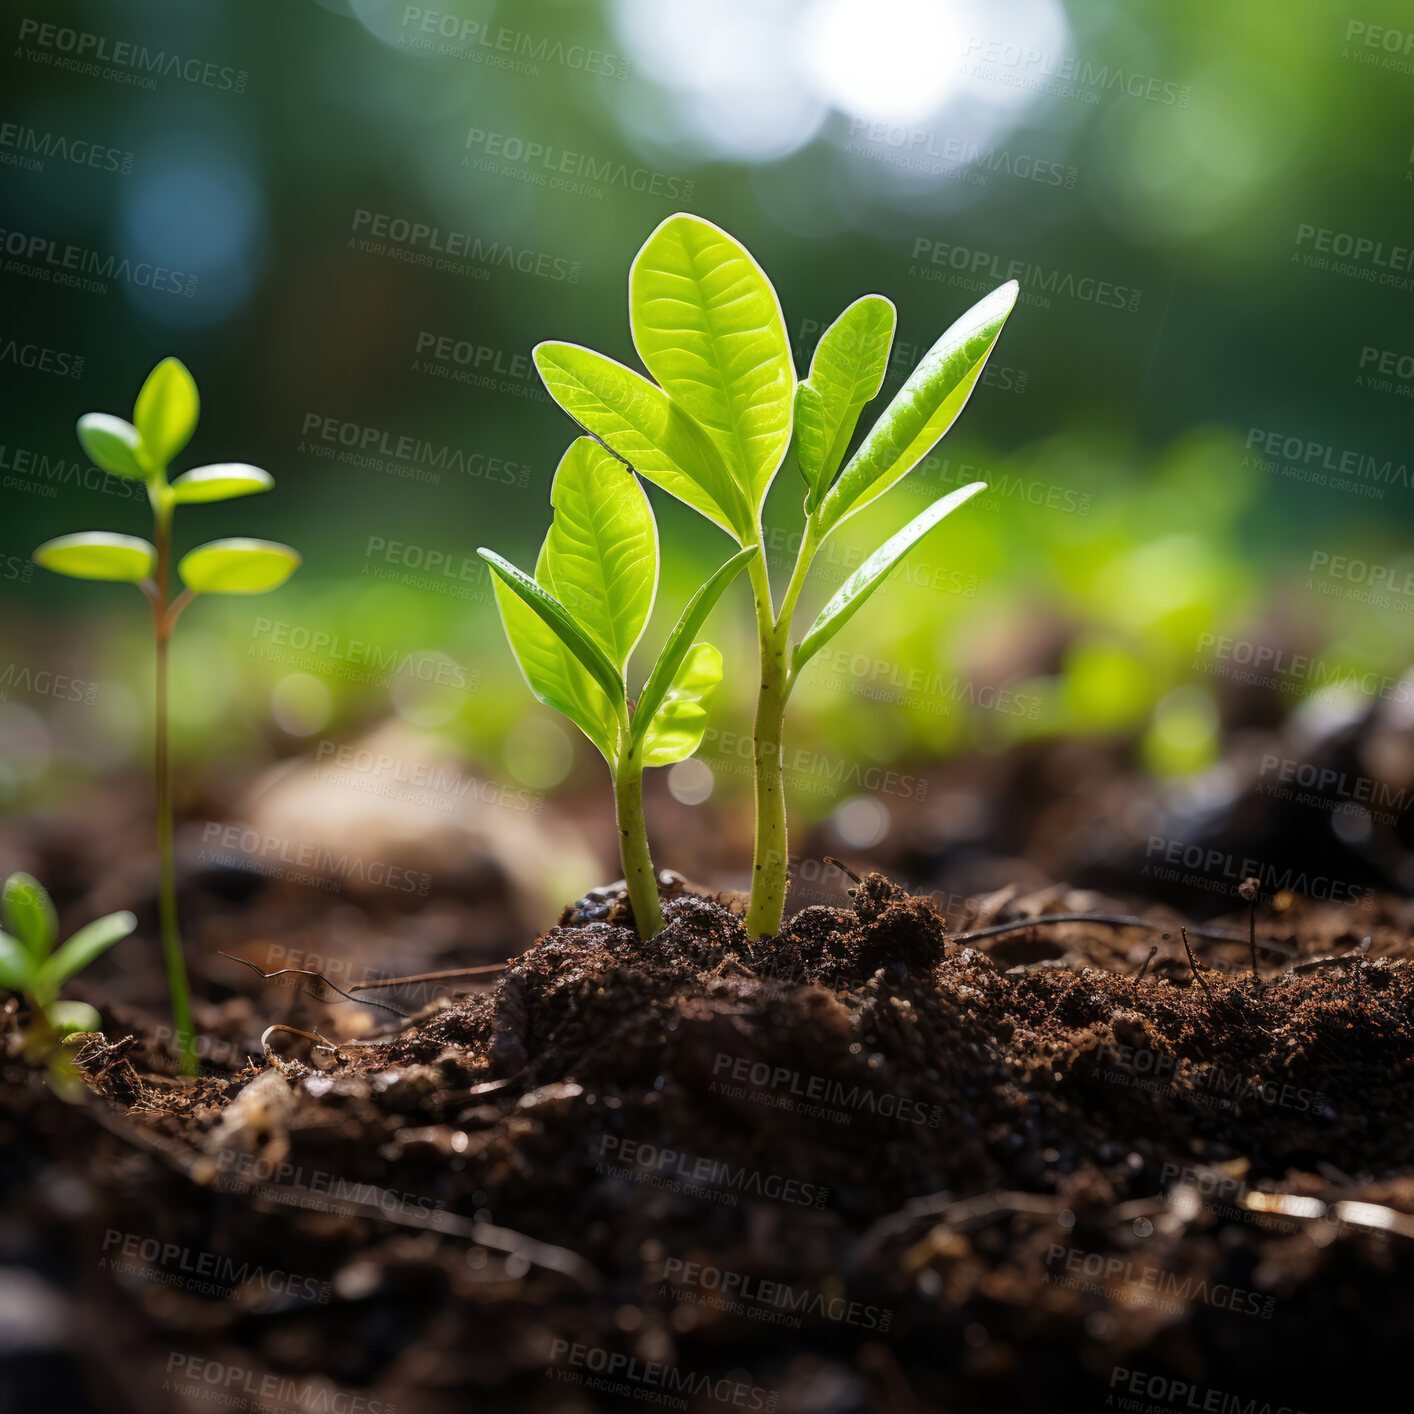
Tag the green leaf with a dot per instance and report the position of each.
(558, 619)
(220, 482)
(643, 425)
(853, 593)
(847, 372)
(922, 410)
(708, 326)
(166, 411)
(112, 445)
(29, 915)
(238, 566)
(69, 1018)
(16, 965)
(601, 554)
(89, 943)
(98, 554)
(812, 441)
(676, 728)
(680, 639)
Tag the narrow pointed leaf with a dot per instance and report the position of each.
(238, 566)
(220, 482)
(675, 730)
(855, 591)
(70, 1018)
(16, 965)
(559, 620)
(90, 942)
(812, 439)
(602, 549)
(680, 639)
(642, 424)
(112, 445)
(847, 372)
(709, 328)
(29, 915)
(98, 554)
(166, 410)
(922, 410)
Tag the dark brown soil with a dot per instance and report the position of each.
(862, 1167)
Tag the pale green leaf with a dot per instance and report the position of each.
(922, 410)
(642, 424)
(812, 442)
(602, 550)
(708, 326)
(98, 554)
(847, 371)
(112, 445)
(680, 639)
(238, 566)
(88, 944)
(675, 730)
(855, 591)
(220, 482)
(70, 1018)
(16, 965)
(29, 915)
(166, 411)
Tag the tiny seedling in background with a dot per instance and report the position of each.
(31, 965)
(716, 426)
(164, 418)
(574, 625)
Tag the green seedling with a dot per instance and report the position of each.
(31, 965)
(164, 418)
(720, 420)
(574, 625)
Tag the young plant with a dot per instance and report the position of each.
(164, 418)
(715, 427)
(31, 966)
(574, 625)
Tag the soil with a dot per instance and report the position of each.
(869, 1165)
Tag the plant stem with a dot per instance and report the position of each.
(633, 839)
(162, 765)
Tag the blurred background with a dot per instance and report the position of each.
(1178, 621)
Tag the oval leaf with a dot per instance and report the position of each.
(643, 425)
(922, 410)
(708, 326)
(853, 593)
(559, 620)
(238, 566)
(847, 372)
(29, 915)
(601, 554)
(70, 1018)
(112, 444)
(90, 942)
(812, 442)
(220, 482)
(680, 639)
(676, 728)
(166, 410)
(98, 554)
(16, 965)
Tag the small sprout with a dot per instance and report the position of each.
(1250, 889)
(1193, 964)
(31, 965)
(164, 419)
(1144, 966)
